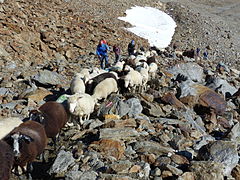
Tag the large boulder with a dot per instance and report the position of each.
(224, 152)
(192, 70)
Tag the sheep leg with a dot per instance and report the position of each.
(29, 170)
(80, 120)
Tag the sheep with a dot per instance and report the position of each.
(133, 80)
(152, 70)
(8, 124)
(52, 116)
(118, 66)
(85, 74)
(144, 72)
(92, 83)
(28, 140)
(105, 88)
(81, 105)
(77, 84)
(6, 159)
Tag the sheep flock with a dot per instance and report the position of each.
(24, 141)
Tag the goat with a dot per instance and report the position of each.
(53, 116)
(28, 140)
(6, 159)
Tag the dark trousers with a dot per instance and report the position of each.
(104, 58)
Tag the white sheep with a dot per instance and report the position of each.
(8, 124)
(81, 105)
(85, 74)
(119, 66)
(77, 85)
(144, 72)
(133, 80)
(105, 88)
(152, 70)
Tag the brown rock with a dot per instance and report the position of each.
(236, 172)
(135, 169)
(149, 158)
(38, 95)
(121, 123)
(166, 174)
(188, 176)
(147, 97)
(170, 98)
(178, 159)
(109, 147)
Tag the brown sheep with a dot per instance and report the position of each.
(28, 140)
(6, 159)
(52, 115)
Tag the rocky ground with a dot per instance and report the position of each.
(159, 134)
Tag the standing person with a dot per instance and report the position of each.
(102, 54)
(116, 51)
(131, 48)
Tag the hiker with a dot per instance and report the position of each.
(131, 48)
(116, 51)
(102, 54)
(205, 55)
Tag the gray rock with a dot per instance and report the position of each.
(206, 170)
(152, 109)
(118, 133)
(115, 177)
(62, 162)
(135, 107)
(224, 152)
(192, 70)
(3, 52)
(151, 147)
(48, 78)
(73, 174)
(174, 170)
(92, 123)
(10, 105)
(222, 86)
(122, 108)
(121, 166)
(89, 175)
(4, 91)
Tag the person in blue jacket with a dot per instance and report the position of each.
(102, 53)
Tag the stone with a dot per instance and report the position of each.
(109, 147)
(131, 123)
(207, 170)
(222, 86)
(116, 177)
(170, 98)
(147, 97)
(62, 162)
(174, 170)
(118, 133)
(38, 95)
(135, 107)
(191, 70)
(152, 109)
(187, 176)
(47, 77)
(4, 91)
(151, 147)
(224, 152)
(178, 159)
(121, 166)
(236, 172)
(89, 175)
(111, 116)
(135, 169)
(192, 94)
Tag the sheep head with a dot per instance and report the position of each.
(17, 140)
(36, 115)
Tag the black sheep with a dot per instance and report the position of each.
(6, 159)
(92, 83)
(28, 140)
(52, 115)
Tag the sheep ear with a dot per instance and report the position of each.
(27, 139)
